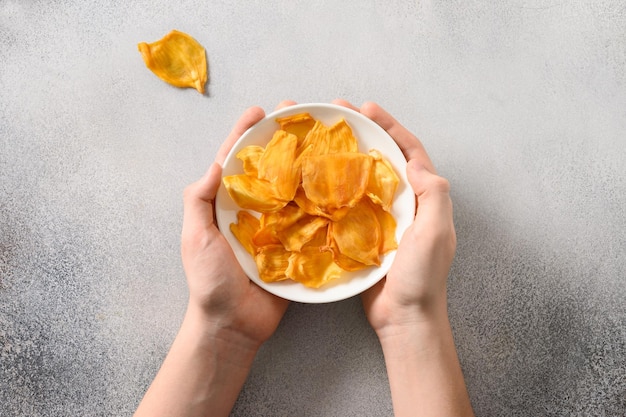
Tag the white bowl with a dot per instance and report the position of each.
(369, 136)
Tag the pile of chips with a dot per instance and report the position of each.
(324, 206)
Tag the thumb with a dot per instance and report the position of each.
(209, 183)
(198, 199)
(416, 173)
(432, 191)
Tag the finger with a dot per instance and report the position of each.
(433, 227)
(198, 199)
(345, 103)
(285, 103)
(411, 147)
(432, 192)
(245, 122)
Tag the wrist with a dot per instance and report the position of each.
(409, 318)
(414, 334)
(219, 337)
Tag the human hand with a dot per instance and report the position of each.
(228, 316)
(415, 287)
(220, 292)
(408, 308)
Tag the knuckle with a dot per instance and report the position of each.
(189, 192)
(439, 184)
(193, 240)
(439, 237)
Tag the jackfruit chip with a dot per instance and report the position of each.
(336, 180)
(387, 223)
(346, 263)
(297, 124)
(298, 234)
(272, 222)
(312, 267)
(311, 208)
(252, 193)
(177, 59)
(327, 140)
(250, 156)
(383, 181)
(265, 236)
(244, 230)
(278, 166)
(272, 261)
(319, 240)
(283, 218)
(358, 234)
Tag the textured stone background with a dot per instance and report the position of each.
(521, 103)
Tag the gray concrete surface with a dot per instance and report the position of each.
(521, 104)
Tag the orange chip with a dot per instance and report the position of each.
(298, 234)
(319, 240)
(265, 236)
(336, 180)
(278, 165)
(283, 218)
(250, 156)
(311, 208)
(275, 221)
(335, 139)
(383, 181)
(177, 59)
(387, 223)
(344, 261)
(297, 124)
(358, 234)
(244, 230)
(252, 193)
(272, 262)
(312, 267)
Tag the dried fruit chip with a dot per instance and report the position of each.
(336, 180)
(265, 236)
(387, 227)
(319, 239)
(283, 218)
(311, 208)
(272, 261)
(244, 230)
(335, 139)
(252, 193)
(278, 165)
(297, 124)
(298, 234)
(271, 223)
(177, 59)
(358, 234)
(344, 262)
(250, 156)
(312, 267)
(383, 181)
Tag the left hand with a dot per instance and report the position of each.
(220, 293)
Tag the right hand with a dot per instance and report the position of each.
(415, 287)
